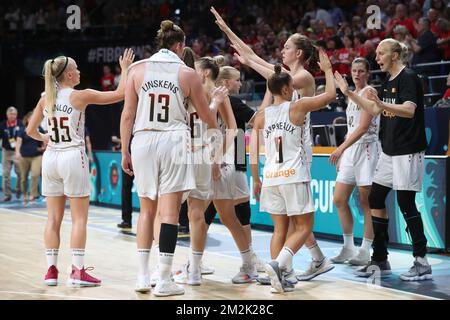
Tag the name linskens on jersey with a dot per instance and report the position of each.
(160, 84)
(280, 126)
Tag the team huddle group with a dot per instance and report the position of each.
(172, 99)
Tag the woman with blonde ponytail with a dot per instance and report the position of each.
(301, 56)
(399, 102)
(65, 166)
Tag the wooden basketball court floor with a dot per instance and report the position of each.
(113, 253)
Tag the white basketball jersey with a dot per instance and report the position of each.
(353, 114)
(66, 126)
(162, 105)
(308, 133)
(286, 157)
(198, 127)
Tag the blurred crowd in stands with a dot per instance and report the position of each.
(337, 25)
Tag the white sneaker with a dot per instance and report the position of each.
(344, 255)
(315, 268)
(165, 288)
(143, 284)
(290, 277)
(185, 276)
(246, 274)
(206, 269)
(154, 277)
(260, 265)
(362, 258)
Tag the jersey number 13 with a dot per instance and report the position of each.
(163, 101)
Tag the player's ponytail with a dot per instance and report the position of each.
(53, 71)
(404, 53)
(188, 57)
(169, 34)
(227, 73)
(220, 60)
(278, 80)
(310, 55)
(208, 63)
(398, 47)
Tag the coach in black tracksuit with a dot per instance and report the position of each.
(401, 164)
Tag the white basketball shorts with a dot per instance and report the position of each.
(65, 172)
(241, 185)
(162, 162)
(287, 199)
(203, 175)
(403, 172)
(358, 162)
(224, 188)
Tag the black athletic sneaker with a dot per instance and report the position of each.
(379, 269)
(124, 225)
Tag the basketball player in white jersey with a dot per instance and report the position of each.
(223, 195)
(298, 52)
(356, 159)
(199, 197)
(65, 166)
(155, 110)
(231, 78)
(286, 191)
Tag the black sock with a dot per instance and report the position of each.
(168, 238)
(381, 239)
(415, 228)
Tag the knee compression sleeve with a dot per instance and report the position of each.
(377, 196)
(210, 213)
(243, 213)
(168, 238)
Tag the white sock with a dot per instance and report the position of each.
(78, 258)
(366, 244)
(143, 256)
(423, 260)
(165, 265)
(52, 257)
(285, 259)
(348, 241)
(316, 253)
(195, 259)
(247, 256)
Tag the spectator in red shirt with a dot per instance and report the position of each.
(345, 55)
(107, 81)
(433, 15)
(358, 43)
(443, 35)
(401, 18)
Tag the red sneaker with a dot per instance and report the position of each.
(51, 278)
(80, 278)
